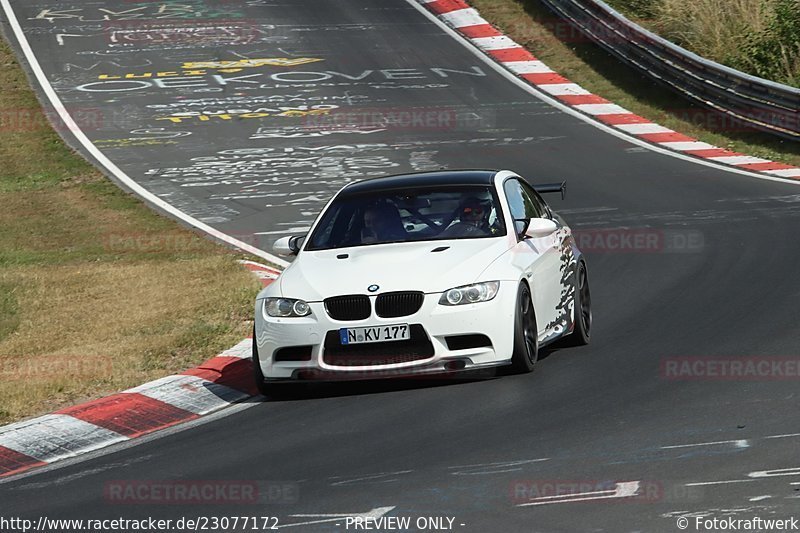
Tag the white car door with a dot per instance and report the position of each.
(538, 258)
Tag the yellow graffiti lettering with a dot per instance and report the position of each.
(206, 116)
(249, 63)
(300, 113)
(293, 113)
(198, 68)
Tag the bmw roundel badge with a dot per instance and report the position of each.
(373, 288)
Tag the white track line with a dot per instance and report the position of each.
(719, 482)
(786, 436)
(140, 191)
(742, 443)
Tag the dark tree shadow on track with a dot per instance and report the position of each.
(307, 390)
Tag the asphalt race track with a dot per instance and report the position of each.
(319, 93)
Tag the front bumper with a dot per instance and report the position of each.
(493, 319)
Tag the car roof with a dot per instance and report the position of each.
(422, 179)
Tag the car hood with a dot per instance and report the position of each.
(316, 275)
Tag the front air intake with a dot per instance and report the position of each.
(292, 353)
(350, 307)
(465, 342)
(417, 348)
(396, 304)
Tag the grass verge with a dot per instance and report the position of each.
(570, 54)
(760, 37)
(97, 292)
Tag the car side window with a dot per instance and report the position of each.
(541, 205)
(520, 202)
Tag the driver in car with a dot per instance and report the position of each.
(473, 220)
(382, 223)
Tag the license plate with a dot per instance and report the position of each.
(392, 332)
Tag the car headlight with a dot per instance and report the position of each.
(470, 294)
(286, 307)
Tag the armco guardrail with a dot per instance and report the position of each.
(755, 102)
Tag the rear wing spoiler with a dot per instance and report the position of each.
(545, 188)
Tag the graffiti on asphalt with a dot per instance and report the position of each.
(201, 68)
(262, 112)
(187, 9)
(176, 80)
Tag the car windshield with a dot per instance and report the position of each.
(468, 212)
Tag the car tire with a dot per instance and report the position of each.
(582, 331)
(526, 338)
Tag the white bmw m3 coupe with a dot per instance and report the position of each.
(423, 273)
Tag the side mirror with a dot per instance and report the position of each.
(287, 246)
(535, 227)
(521, 226)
